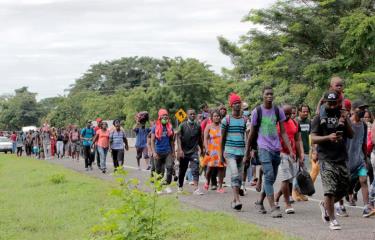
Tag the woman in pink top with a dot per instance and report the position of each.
(102, 142)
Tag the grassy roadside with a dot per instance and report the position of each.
(45, 201)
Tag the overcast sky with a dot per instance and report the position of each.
(47, 44)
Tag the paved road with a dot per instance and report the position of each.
(306, 223)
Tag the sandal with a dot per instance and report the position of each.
(236, 206)
(260, 207)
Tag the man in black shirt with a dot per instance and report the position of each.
(189, 137)
(330, 135)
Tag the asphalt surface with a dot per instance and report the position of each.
(306, 223)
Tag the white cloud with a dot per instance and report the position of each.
(47, 44)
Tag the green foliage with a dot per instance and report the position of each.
(58, 178)
(169, 83)
(124, 73)
(297, 48)
(32, 207)
(304, 43)
(19, 110)
(139, 216)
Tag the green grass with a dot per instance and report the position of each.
(41, 201)
(45, 201)
(196, 224)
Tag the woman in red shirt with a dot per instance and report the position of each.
(102, 142)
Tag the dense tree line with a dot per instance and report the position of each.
(298, 46)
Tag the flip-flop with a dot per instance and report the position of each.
(260, 207)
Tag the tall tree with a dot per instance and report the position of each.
(300, 45)
(19, 110)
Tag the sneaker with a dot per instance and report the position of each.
(289, 210)
(260, 207)
(325, 216)
(341, 210)
(168, 190)
(220, 190)
(367, 212)
(334, 225)
(180, 190)
(205, 186)
(198, 192)
(148, 168)
(291, 200)
(277, 205)
(213, 187)
(276, 213)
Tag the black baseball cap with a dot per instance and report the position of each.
(331, 96)
(359, 104)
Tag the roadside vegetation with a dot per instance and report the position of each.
(41, 201)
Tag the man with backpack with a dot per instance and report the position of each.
(233, 129)
(264, 134)
(162, 146)
(87, 135)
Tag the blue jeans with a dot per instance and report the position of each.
(270, 163)
(14, 147)
(103, 156)
(189, 175)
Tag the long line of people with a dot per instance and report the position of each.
(260, 146)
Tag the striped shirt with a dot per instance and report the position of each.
(117, 139)
(235, 140)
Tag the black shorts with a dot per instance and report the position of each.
(118, 155)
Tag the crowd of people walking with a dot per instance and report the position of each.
(262, 145)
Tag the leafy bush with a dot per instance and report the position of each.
(138, 216)
(58, 178)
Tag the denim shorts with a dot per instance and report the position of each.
(235, 165)
(287, 168)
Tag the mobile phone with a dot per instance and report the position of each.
(339, 133)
